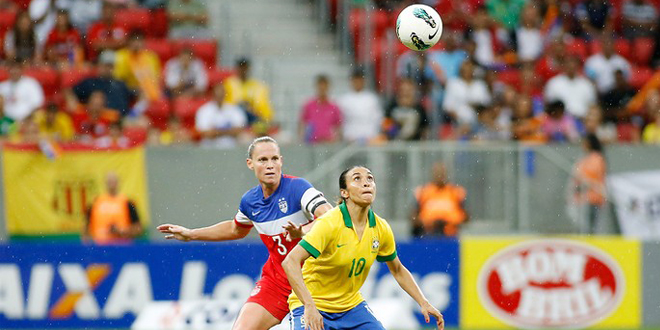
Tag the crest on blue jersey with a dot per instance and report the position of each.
(283, 205)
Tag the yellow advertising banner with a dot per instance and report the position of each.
(50, 195)
(550, 283)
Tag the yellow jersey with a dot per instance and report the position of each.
(342, 260)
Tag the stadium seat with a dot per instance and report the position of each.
(134, 19)
(72, 77)
(159, 24)
(186, 107)
(639, 76)
(7, 19)
(643, 50)
(356, 23)
(627, 132)
(4, 74)
(48, 78)
(218, 75)
(622, 47)
(137, 135)
(162, 48)
(577, 47)
(159, 113)
(206, 50)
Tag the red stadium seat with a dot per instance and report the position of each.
(380, 22)
(577, 47)
(162, 48)
(218, 75)
(159, 24)
(48, 78)
(134, 19)
(159, 113)
(137, 135)
(206, 50)
(7, 19)
(4, 74)
(73, 77)
(639, 76)
(643, 50)
(186, 107)
(627, 132)
(622, 47)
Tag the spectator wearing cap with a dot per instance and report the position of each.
(249, 93)
(321, 118)
(188, 19)
(220, 123)
(105, 34)
(640, 19)
(185, 74)
(361, 110)
(54, 124)
(118, 95)
(22, 94)
(601, 67)
(575, 91)
(139, 68)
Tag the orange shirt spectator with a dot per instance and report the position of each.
(439, 209)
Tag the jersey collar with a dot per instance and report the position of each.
(347, 217)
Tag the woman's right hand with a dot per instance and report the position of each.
(177, 232)
(313, 319)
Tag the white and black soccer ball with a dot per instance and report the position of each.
(419, 27)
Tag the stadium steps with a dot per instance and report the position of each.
(286, 48)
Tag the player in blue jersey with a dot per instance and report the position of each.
(280, 208)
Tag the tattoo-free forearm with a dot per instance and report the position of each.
(222, 231)
(407, 283)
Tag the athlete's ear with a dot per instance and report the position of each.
(249, 164)
(343, 193)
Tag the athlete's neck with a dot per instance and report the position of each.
(359, 214)
(268, 190)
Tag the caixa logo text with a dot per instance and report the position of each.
(551, 284)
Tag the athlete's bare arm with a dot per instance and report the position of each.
(223, 231)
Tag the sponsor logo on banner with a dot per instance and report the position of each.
(551, 283)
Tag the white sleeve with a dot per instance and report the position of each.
(204, 118)
(242, 219)
(311, 200)
(172, 76)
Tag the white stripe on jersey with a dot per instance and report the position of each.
(242, 219)
(310, 200)
(272, 228)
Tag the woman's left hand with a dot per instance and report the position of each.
(293, 231)
(427, 310)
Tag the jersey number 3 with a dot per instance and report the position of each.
(281, 249)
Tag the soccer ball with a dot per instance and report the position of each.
(419, 27)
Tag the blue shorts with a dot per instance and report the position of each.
(359, 317)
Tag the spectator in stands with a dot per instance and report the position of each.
(552, 62)
(446, 63)
(112, 218)
(529, 39)
(405, 118)
(651, 133)
(6, 123)
(43, 13)
(105, 34)
(20, 43)
(463, 94)
(22, 94)
(415, 66)
(220, 123)
(54, 124)
(361, 111)
(249, 93)
(596, 17)
(639, 19)
(321, 118)
(84, 12)
(440, 206)
(505, 12)
(557, 125)
(27, 131)
(589, 181)
(63, 46)
(139, 68)
(573, 89)
(601, 67)
(614, 102)
(185, 74)
(525, 127)
(115, 137)
(531, 82)
(94, 119)
(119, 96)
(8, 6)
(188, 19)
(593, 124)
(175, 133)
(483, 37)
(486, 128)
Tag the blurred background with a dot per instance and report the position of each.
(531, 121)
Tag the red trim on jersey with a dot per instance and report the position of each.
(242, 224)
(289, 176)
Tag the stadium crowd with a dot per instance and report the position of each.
(111, 73)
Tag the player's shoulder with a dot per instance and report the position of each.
(252, 195)
(381, 223)
(332, 217)
(295, 183)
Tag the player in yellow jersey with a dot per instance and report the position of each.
(344, 243)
